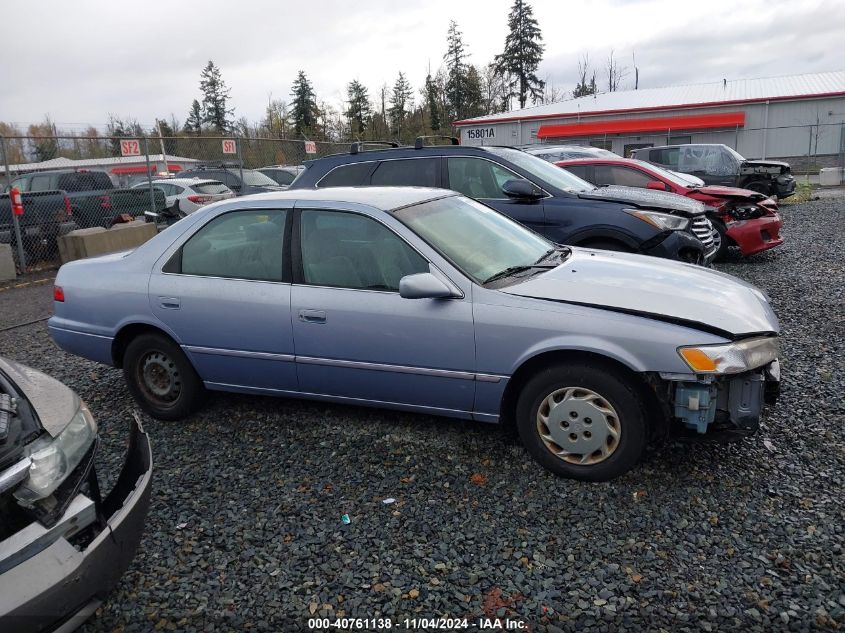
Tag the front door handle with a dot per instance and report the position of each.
(312, 316)
(169, 303)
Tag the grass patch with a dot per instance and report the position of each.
(804, 192)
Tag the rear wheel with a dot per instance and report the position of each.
(582, 421)
(760, 186)
(160, 377)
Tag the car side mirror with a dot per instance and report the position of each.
(423, 286)
(521, 190)
(657, 185)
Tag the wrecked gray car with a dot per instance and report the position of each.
(63, 545)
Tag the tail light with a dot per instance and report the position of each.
(200, 199)
(58, 294)
(105, 203)
(68, 208)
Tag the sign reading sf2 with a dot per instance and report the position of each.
(481, 133)
(130, 147)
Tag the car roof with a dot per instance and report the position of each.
(188, 181)
(405, 151)
(619, 160)
(383, 198)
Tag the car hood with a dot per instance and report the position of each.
(655, 288)
(646, 199)
(766, 163)
(733, 193)
(54, 403)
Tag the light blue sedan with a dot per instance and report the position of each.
(424, 300)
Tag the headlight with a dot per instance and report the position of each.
(732, 358)
(663, 221)
(53, 461)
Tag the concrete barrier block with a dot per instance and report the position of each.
(7, 263)
(95, 241)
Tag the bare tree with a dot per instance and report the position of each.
(551, 93)
(615, 73)
(586, 78)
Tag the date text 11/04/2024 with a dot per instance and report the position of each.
(417, 624)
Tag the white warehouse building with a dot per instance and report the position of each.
(798, 118)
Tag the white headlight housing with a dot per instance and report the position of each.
(731, 358)
(53, 460)
(663, 221)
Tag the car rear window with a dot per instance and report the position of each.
(411, 172)
(85, 181)
(211, 188)
(347, 175)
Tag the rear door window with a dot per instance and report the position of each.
(85, 181)
(667, 156)
(347, 175)
(411, 172)
(238, 245)
(582, 171)
(40, 183)
(620, 175)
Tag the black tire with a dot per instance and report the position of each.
(612, 392)
(726, 242)
(608, 245)
(161, 378)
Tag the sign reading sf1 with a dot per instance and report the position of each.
(229, 146)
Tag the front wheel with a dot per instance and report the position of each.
(160, 377)
(607, 245)
(760, 186)
(582, 422)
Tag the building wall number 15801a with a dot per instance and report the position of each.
(481, 132)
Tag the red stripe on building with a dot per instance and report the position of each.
(628, 126)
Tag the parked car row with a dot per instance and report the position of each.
(419, 298)
(475, 283)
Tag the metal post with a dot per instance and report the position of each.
(161, 143)
(240, 161)
(15, 221)
(668, 136)
(809, 149)
(149, 177)
(736, 138)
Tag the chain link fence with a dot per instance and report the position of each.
(88, 182)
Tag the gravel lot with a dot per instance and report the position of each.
(245, 528)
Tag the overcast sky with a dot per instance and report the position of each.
(79, 61)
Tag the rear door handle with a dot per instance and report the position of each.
(169, 303)
(312, 316)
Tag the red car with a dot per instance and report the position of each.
(744, 218)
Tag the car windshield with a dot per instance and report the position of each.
(543, 170)
(739, 157)
(257, 179)
(478, 240)
(671, 176)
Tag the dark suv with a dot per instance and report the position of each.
(546, 198)
(253, 180)
(720, 165)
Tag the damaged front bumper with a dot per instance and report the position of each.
(725, 405)
(66, 572)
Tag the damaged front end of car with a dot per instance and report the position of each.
(730, 383)
(63, 545)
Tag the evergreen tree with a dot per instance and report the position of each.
(400, 100)
(215, 96)
(456, 68)
(45, 145)
(359, 110)
(474, 105)
(432, 101)
(522, 54)
(193, 124)
(168, 135)
(304, 108)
